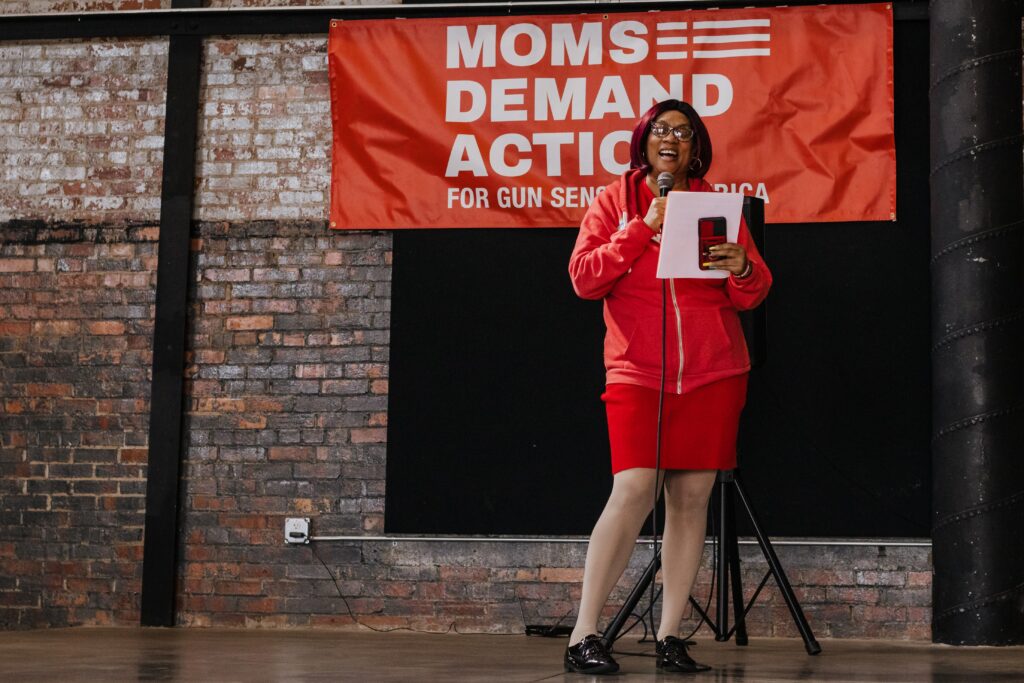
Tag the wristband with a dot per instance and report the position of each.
(746, 271)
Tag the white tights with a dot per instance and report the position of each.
(616, 531)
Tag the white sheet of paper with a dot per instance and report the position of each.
(679, 256)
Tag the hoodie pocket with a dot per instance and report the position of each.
(711, 342)
(643, 350)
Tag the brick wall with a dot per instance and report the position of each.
(287, 373)
(51, 6)
(75, 349)
(846, 591)
(265, 129)
(81, 130)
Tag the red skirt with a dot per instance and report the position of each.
(698, 428)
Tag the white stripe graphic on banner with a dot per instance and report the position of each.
(713, 54)
(719, 36)
(737, 23)
(671, 26)
(734, 38)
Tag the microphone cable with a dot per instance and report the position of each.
(665, 183)
(657, 452)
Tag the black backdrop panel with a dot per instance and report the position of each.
(495, 419)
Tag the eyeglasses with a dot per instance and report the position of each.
(682, 134)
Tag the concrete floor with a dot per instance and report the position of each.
(136, 654)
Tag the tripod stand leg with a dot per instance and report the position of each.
(612, 632)
(799, 619)
(725, 549)
(737, 580)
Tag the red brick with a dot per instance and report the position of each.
(428, 590)
(55, 328)
(131, 553)
(238, 587)
(561, 574)
(220, 405)
(208, 356)
(310, 371)
(264, 605)
(919, 579)
(845, 595)
(80, 585)
(15, 329)
(106, 327)
(14, 407)
(250, 322)
(293, 453)
(243, 521)
(259, 404)
(369, 435)
(17, 265)
(49, 389)
(133, 455)
(398, 589)
(259, 422)
(469, 574)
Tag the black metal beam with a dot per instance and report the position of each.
(298, 20)
(159, 564)
(977, 322)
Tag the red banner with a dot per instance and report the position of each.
(520, 121)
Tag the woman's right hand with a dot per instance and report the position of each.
(656, 214)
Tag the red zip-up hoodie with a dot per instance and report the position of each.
(615, 258)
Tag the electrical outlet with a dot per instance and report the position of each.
(296, 530)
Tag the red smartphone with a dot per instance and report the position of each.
(710, 231)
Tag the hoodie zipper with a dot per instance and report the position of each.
(679, 335)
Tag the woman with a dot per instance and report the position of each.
(705, 375)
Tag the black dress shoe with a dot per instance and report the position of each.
(590, 656)
(672, 656)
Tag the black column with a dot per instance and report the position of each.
(977, 322)
(159, 562)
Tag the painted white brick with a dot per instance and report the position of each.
(62, 173)
(150, 142)
(314, 63)
(231, 123)
(301, 197)
(207, 169)
(255, 167)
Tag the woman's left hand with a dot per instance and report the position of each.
(728, 256)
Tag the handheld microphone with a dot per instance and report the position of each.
(665, 182)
